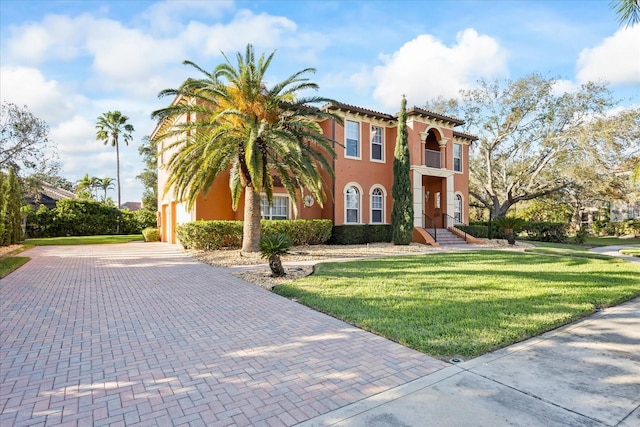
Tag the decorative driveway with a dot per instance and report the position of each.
(141, 334)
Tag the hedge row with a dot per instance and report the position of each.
(539, 231)
(357, 234)
(624, 228)
(211, 235)
(72, 217)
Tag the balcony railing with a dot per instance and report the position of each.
(432, 159)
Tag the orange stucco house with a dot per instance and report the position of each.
(360, 192)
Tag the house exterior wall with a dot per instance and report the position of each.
(362, 171)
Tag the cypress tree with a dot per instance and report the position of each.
(3, 191)
(402, 213)
(13, 197)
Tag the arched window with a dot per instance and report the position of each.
(352, 204)
(457, 208)
(377, 205)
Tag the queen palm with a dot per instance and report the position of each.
(105, 184)
(239, 124)
(110, 126)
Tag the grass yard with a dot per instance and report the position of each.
(562, 249)
(465, 304)
(631, 251)
(610, 241)
(84, 240)
(9, 264)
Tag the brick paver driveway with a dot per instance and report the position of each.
(141, 334)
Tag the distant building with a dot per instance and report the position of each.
(132, 206)
(49, 196)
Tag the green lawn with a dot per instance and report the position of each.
(84, 240)
(610, 241)
(631, 251)
(546, 248)
(468, 303)
(9, 264)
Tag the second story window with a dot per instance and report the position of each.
(352, 143)
(377, 143)
(457, 157)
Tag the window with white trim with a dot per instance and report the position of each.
(377, 143)
(377, 206)
(352, 204)
(278, 209)
(352, 139)
(457, 157)
(457, 208)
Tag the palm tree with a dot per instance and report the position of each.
(96, 183)
(109, 127)
(105, 184)
(238, 124)
(84, 187)
(628, 11)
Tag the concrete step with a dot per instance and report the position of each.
(446, 238)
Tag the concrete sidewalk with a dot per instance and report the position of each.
(583, 374)
(615, 252)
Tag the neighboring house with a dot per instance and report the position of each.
(132, 206)
(360, 192)
(623, 210)
(49, 195)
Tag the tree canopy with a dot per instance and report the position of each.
(535, 140)
(24, 142)
(233, 121)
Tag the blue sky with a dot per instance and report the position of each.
(70, 61)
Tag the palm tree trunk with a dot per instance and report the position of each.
(251, 226)
(118, 170)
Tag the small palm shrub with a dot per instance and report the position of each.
(510, 225)
(271, 247)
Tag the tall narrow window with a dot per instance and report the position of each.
(457, 157)
(278, 209)
(352, 143)
(352, 202)
(457, 208)
(377, 206)
(377, 143)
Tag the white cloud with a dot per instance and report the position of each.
(424, 68)
(166, 16)
(46, 99)
(616, 59)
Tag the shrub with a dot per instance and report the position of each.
(555, 232)
(212, 235)
(151, 234)
(271, 247)
(479, 231)
(146, 218)
(358, 234)
(300, 231)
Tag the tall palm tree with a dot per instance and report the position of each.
(237, 123)
(110, 126)
(105, 184)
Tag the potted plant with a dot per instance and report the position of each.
(509, 225)
(271, 247)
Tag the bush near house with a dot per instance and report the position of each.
(625, 228)
(212, 235)
(358, 234)
(151, 234)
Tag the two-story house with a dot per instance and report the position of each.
(360, 191)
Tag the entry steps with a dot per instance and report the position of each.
(446, 238)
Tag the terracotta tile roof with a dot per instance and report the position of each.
(56, 193)
(357, 110)
(465, 135)
(422, 112)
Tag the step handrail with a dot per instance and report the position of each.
(429, 223)
(450, 222)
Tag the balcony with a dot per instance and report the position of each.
(432, 159)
